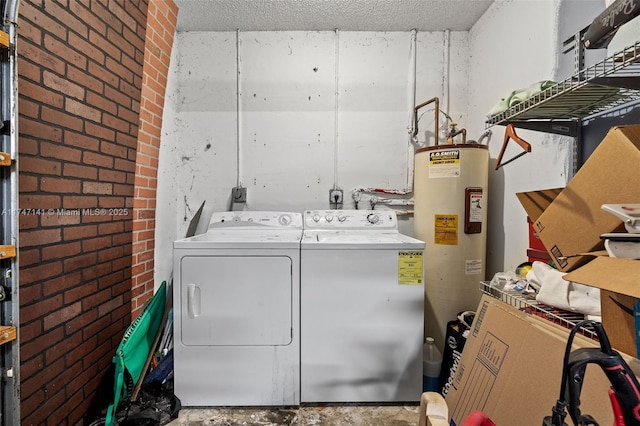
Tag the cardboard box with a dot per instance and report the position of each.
(570, 221)
(618, 318)
(619, 281)
(573, 222)
(534, 240)
(511, 369)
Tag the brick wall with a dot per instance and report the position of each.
(161, 23)
(80, 78)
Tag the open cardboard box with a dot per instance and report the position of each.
(570, 221)
(511, 368)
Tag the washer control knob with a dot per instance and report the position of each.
(284, 220)
(342, 218)
(328, 218)
(316, 218)
(373, 218)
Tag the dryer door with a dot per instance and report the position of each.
(236, 300)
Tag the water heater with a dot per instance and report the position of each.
(450, 216)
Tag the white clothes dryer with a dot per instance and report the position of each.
(237, 311)
(362, 308)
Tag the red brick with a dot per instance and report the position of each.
(39, 237)
(28, 146)
(80, 292)
(83, 172)
(99, 131)
(97, 188)
(39, 130)
(60, 251)
(65, 52)
(63, 85)
(81, 322)
(101, 102)
(28, 183)
(58, 185)
(39, 344)
(28, 108)
(61, 284)
(56, 318)
(39, 166)
(111, 176)
(61, 119)
(81, 261)
(88, 48)
(32, 15)
(41, 57)
(78, 232)
(113, 149)
(83, 110)
(79, 202)
(97, 271)
(61, 152)
(30, 293)
(85, 79)
(26, 223)
(79, 9)
(30, 331)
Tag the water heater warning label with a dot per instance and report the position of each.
(444, 163)
(410, 267)
(446, 229)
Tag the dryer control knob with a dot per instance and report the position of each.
(285, 220)
(373, 218)
(328, 218)
(342, 218)
(316, 218)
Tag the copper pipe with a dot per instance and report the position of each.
(456, 133)
(437, 113)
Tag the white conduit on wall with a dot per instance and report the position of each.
(446, 65)
(238, 115)
(411, 87)
(336, 120)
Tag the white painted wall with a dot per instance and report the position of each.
(514, 44)
(322, 109)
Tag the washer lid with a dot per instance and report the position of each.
(359, 239)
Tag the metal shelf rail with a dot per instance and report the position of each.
(529, 304)
(608, 84)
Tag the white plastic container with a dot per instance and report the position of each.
(431, 363)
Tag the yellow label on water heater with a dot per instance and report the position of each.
(410, 267)
(446, 229)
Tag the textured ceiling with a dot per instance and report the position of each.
(327, 15)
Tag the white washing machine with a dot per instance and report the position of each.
(362, 308)
(237, 311)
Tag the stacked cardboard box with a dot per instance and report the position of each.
(511, 369)
(569, 223)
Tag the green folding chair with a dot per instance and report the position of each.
(134, 349)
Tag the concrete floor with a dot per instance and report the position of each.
(342, 415)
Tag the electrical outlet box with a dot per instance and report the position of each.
(335, 198)
(238, 198)
(239, 195)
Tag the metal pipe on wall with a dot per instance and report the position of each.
(238, 114)
(336, 110)
(411, 88)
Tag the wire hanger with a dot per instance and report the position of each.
(510, 133)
